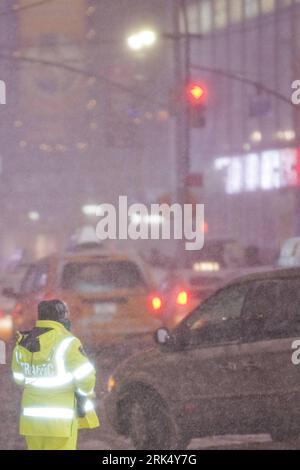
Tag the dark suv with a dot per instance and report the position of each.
(229, 367)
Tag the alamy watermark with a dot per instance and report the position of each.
(161, 222)
(296, 93)
(2, 92)
(2, 352)
(296, 353)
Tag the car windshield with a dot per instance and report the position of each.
(101, 276)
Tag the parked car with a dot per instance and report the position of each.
(110, 295)
(226, 368)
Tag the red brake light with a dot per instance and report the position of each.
(156, 303)
(182, 298)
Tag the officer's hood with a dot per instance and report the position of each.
(40, 340)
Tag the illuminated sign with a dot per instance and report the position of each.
(272, 169)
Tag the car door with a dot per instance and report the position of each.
(211, 391)
(271, 331)
(253, 373)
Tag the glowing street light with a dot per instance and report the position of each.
(134, 42)
(33, 216)
(148, 38)
(138, 41)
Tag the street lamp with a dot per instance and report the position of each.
(33, 216)
(144, 38)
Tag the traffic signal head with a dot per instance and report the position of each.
(193, 96)
(195, 93)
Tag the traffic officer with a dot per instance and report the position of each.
(58, 381)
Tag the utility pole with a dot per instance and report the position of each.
(182, 75)
(186, 157)
(182, 128)
(178, 84)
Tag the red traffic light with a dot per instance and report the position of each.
(195, 93)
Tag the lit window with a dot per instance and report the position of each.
(267, 6)
(220, 13)
(205, 16)
(234, 181)
(236, 11)
(288, 166)
(270, 169)
(193, 17)
(251, 172)
(251, 8)
(222, 162)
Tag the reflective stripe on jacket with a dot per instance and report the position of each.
(50, 365)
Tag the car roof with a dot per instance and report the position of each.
(268, 275)
(91, 255)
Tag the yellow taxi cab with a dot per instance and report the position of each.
(14, 277)
(111, 296)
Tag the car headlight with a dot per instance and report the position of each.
(111, 384)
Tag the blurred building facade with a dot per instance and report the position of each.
(71, 139)
(8, 41)
(46, 127)
(249, 149)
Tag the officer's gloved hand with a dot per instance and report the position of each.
(80, 405)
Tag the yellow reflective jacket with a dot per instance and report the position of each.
(51, 366)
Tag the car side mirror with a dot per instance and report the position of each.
(9, 292)
(175, 341)
(162, 336)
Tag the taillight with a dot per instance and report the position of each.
(156, 303)
(182, 298)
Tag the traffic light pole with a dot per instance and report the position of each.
(178, 85)
(186, 124)
(182, 136)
